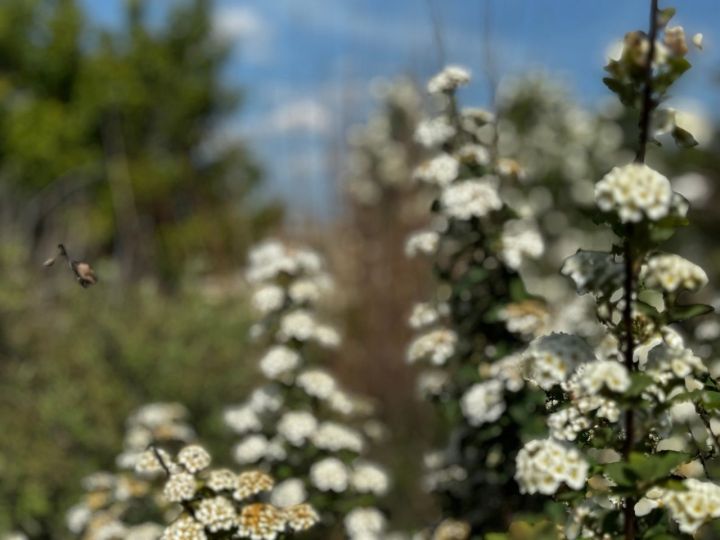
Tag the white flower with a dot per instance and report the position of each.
(251, 449)
(520, 238)
(330, 474)
(279, 361)
(440, 170)
(527, 317)
(288, 493)
(309, 290)
(448, 79)
(674, 39)
(422, 242)
(434, 132)
(179, 487)
(542, 465)
(340, 402)
(265, 399)
(483, 402)
(216, 513)
(242, 419)
(432, 382)
(672, 272)
(471, 198)
(365, 523)
(425, 314)
(635, 192)
(194, 458)
(370, 478)
(509, 370)
(335, 437)
(567, 423)
(268, 298)
(299, 325)
(272, 258)
(327, 336)
(604, 374)
(297, 426)
(317, 383)
(77, 517)
(551, 359)
(436, 345)
(221, 480)
(474, 153)
(184, 528)
(692, 508)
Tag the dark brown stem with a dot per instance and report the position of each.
(646, 107)
(185, 504)
(648, 104)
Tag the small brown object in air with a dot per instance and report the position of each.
(84, 274)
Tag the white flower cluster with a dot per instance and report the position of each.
(437, 346)
(298, 422)
(528, 318)
(154, 423)
(364, 523)
(520, 239)
(690, 509)
(422, 243)
(671, 272)
(273, 258)
(439, 171)
(483, 402)
(671, 366)
(543, 465)
(551, 359)
(434, 132)
(635, 192)
(586, 389)
(448, 80)
(473, 198)
(426, 314)
(109, 495)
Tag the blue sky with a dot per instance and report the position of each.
(306, 65)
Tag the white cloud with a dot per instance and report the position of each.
(235, 23)
(305, 115)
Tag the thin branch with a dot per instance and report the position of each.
(648, 104)
(701, 455)
(186, 506)
(646, 109)
(705, 417)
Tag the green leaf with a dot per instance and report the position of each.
(683, 313)
(638, 383)
(653, 299)
(711, 400)
(645, 470)
(664, 16)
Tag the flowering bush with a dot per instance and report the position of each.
(481, 315)
(198, 502)
(300, 424)
(622, 451)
